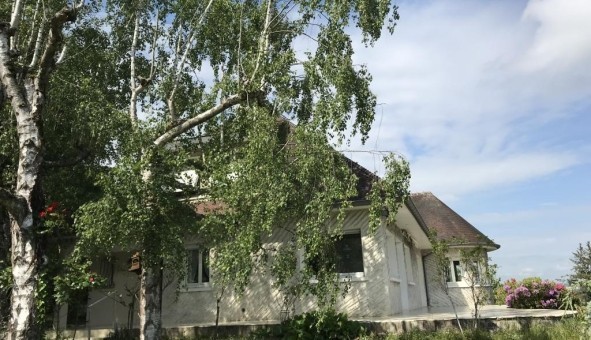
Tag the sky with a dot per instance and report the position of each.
(490, 101)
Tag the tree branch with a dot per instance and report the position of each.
(38, 43)
(263, 43)
(134, 89)
(144, 82)
(15, 19)
(181, 64)
(11, 88)
(47, 62)
(204, 116)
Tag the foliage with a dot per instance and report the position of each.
(122, 334)
(440, 253)
(327, 324)
(581, 263)
(481, 276)
(567, 329)
(532, 292)
(5, 285)
(133, 212)
(263, 170)
(209, 81)
(390, 193)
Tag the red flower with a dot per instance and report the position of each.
(51, 207)
(42, 214)
(91, 279)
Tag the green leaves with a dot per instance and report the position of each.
(262, 171)
(389, 193)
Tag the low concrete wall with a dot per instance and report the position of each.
(375, 326)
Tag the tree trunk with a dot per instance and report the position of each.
(151, 303)
(24, 257)
(24, 249)
(25, 274)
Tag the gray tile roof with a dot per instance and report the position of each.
(448, 224)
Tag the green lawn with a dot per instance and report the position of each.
(568, 329)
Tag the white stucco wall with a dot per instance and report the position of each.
(385, 289)
(458, 291)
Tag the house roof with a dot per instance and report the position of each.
(365, 179)
(448, 224)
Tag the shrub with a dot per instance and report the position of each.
(320, 325)
(532, 292)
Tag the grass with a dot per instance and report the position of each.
(567, 329)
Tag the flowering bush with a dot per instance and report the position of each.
(532, 292)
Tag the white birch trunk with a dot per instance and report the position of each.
(150, 304)
(23, 248)
(27, 98)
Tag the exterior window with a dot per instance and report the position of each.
(198, 271)
(457, 270)
(474, 273)
(447, 273)
(454, 272)
(349, 254)
(105, 270)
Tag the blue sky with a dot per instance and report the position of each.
(490, 101)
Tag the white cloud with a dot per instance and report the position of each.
(466, 86)
(562, 37)
(460, 176)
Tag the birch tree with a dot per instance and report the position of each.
(209, 79)
(28, 56)
(58, 101)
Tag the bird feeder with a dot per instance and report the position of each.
(135, 266)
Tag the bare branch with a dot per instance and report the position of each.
(55, 38)
(7, 77)
(132, 84)
(34, 26)
(144, 82)
(263, 43)
(38, 43)
(181, 64)
(204, 116)
(62, 54)
(17, 11)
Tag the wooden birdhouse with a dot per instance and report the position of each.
(135, 265)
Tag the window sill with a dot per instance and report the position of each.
(196, 288)
(463, 284)
(395, 280)
(350, 277)
(411, 283)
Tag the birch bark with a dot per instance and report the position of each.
(26, 95)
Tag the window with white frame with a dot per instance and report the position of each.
(408, 264)
(198, 267)
(454, 272)
(345, 253)
(349, 253)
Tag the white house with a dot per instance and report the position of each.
(390, 272)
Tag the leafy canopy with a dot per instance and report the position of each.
(216, 86)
